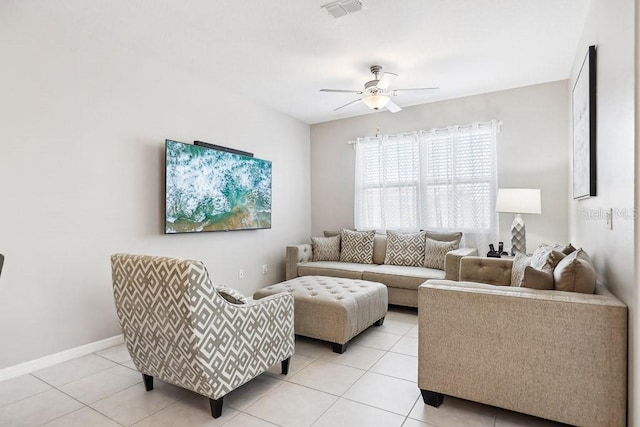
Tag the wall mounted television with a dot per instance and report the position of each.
(213, 190)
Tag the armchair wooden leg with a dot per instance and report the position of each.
(432, 398)
(285, 366)
(216, 407)
(148, 382)
(379, 322)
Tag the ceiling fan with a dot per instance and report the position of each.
(376, 92)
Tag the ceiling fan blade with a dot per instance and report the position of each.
(348, 103)
(417, 88)
(342, 91)
(386, 80)
(392, 106)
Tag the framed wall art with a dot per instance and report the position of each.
(584, 128)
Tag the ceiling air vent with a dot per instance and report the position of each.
(340, 8)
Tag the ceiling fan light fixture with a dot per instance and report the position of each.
(376, 102)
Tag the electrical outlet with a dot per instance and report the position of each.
(265, 269)
(241, 274)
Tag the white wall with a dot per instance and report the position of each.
(532, 153)
(83, 125)
(611, 27)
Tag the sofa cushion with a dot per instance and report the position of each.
(575, 273)
(326, 248)
(436, 251)
(357, 246)
(405, 248)
(494, 271)
(398, 276)
(332, 269)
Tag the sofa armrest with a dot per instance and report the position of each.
(569, 350)
(296, 254)
(452, 262)
(494, 271)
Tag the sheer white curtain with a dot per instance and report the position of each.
(387, 190)
(441, 179)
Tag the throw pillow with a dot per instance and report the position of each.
(520, 262)
(405, 248)
(357, 246)
(537, 279)
(546, 257)
(231, 295)
(523, 274)
(436, 251)
(568, 249)
(442, 236)
(379, 248)
(326, 248)
(575, 273)
(331, 233)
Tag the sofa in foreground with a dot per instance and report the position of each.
(552, 354)
(401, 261)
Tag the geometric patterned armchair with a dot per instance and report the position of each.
(179, 329)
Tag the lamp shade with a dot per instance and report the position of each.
(376, 102)
(519, 200)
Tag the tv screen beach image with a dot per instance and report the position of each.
(212, 190)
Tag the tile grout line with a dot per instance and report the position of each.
(33, 374)
(86, 405)
(150, 415)
(46, 391)
(322, 358)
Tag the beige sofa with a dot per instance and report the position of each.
(402, 281)
(552, 354)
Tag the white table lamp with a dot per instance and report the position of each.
(518, 201)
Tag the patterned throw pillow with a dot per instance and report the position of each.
(435, 252)
(357, 246)
(231, 295)
(405, 248)
(536, 271)
(546, 257)
(326, 248)
(520, 262)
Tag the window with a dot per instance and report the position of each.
(440, 179)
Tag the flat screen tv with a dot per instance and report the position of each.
(213, 190)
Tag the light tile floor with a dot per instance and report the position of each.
(372, 384)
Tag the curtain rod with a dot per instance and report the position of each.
(496, 123)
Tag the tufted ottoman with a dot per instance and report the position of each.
(332, 308)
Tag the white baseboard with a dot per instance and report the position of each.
(54, 359)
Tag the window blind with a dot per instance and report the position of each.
(440, 179)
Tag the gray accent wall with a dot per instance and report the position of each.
(83, 124)
(532, 153)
